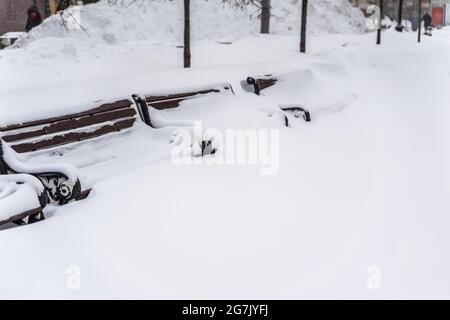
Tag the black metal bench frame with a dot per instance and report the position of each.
(263, 82)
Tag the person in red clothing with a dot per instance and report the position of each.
(34, 18)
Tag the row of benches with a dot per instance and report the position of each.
(61, 182)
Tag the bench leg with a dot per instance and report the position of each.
(19, 222)
(253, 82)
(36, 217)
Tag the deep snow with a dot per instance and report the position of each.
(18, 194)
(161, 21)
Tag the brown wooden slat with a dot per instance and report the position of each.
(265, 86)
(266, 83)
(179, 95)
(84, 194)
(72, 124)
(21, 216)
(105, 107)
(73, 137)
(161, 105)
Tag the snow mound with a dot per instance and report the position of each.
(18, 194)
(161, 21)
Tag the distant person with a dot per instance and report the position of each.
(34, 18)
(427, 20)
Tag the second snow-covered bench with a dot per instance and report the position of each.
(260, 83)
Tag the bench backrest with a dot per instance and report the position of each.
(161, 102)
(261, 82)
(48, 133)
(173, 100)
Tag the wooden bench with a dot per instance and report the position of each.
(257, 84)
(23, 193)
(54, 134)
(260, 83)
(51, 133)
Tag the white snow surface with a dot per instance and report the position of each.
(362, 187)
(161, 21)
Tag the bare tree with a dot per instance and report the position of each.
(187, 34)
(263, 6)
(303, 27)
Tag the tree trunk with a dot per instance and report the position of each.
(420, 21)
(265, 16)
(303, 27)
(187, 34)
(381, 19)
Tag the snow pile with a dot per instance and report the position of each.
(18, 194)
(161, 21)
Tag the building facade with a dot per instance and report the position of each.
(391, 6)
(13, 13)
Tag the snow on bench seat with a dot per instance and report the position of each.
(51, 132)
(304, 93)
(21, 196)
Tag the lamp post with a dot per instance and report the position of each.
(376, 11)
(379, 23)
(420, 21)
(399, 26)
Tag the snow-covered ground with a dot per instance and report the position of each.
(359, 207)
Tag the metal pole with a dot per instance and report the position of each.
(303, 26)
(399, 26)
(420, 21)
(381, 19)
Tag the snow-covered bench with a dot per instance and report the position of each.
(61, 180)
(70, 153)
(260, 83)
(21, 196)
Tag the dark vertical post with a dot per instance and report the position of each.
(265, 16)
(303, 27)
(187, 34)
(420, 21)
(399, 26)
(381, 19)
(3, 168)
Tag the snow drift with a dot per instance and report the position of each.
(161, 21)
